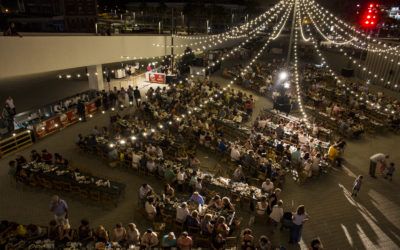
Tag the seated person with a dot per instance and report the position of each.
(34, 232)
(169, 240)
(193, 220)
(60, 161)
(218, 242)
(149, 239)
(65, 234)
(169, 192)
(264, 243)
(47, 157)
(182, 212)
(196, 197)
(206, 226)
(184, 242)
(215, 203)
(169, 174)
(132, 235)
(227, 205)
(85, 233)
(247, 241)
(238, 174)
(235, 153)
(101, 235)
(221, 227)
(144, 191)
(119, 234)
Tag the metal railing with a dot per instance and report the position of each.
(15, 142)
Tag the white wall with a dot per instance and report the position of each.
(37, 54)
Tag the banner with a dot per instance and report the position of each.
(90, 107)
(157, 78)
(48, 126)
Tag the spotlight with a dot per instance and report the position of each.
(283, 75)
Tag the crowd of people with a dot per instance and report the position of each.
(142, 141)
(353, 108)
(347, 107)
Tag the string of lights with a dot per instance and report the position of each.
(341, 84)
(211, 40)
(192, 110)
(254, 35)
(272, 37)
(296, 68)
(300, 19)
(236, 29)
(325, 36)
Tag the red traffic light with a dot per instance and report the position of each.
(369, 17)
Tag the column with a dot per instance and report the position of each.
(95, 77)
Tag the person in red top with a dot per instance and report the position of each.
(47, 157)
(185, 242)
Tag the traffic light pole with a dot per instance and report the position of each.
(292, 33)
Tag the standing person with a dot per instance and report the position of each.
(11, 105)
(60, 210)
(130, 94)
(357, 186)
(389, 171)
(137, 95)
(8, 117)
(81, 110)
(374, 160)
(298, 219)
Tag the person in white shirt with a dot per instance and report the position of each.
(262, 206)
(151, 210)
(182, 212)
(315, 164)
(144, 191)
(136, 159)
(235, 154)
(374, 160)
(151, 165)
(307, 170)
(181, 176)
(267, 186)
(277, 213)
